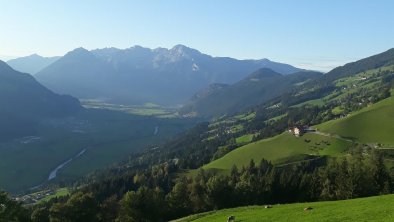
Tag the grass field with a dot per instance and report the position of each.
(244, 139)
(378, 208)
(147, 109)
(58, 193)
(107, 136)
(315, 102)
(281, 149)
(374, 124)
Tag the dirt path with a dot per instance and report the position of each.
(332, 136)
(299, 161)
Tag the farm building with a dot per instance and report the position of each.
(299, 130)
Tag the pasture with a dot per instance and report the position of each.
(379, 208)
(281, 149)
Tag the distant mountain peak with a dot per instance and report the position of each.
(35, 55)
(183, 50)
(32, 63)
(264, 73)
(79, 53)
(264, 60)
(79, 50)
(138, 48)
(4, 66)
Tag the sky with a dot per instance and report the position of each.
(310, 34)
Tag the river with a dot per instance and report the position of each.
(53, 173)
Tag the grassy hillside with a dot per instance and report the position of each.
(378, 208)
(281, 149)
(373, 124)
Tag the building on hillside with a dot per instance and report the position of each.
(296, 131)
(299, 130)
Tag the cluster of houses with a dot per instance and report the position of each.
(34, 197)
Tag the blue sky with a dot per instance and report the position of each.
(306, 33)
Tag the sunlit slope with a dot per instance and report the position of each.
(378, 208)
(283, 148)
(374, 124)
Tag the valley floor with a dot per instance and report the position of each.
(379, 208)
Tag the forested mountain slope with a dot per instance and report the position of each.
(257, 88)
(24, 101)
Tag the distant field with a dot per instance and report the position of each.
(367, 80)
(147, 109)
(107, 136)
(315, 102)
(244, 139)
(378, 208)
(281, 149)
(374, 124)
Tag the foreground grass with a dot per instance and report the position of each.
(378, 208)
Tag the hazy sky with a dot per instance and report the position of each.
(306, 33)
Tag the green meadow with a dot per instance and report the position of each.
(379, 208)
(281, 149)
(373, 124)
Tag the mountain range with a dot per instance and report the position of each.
(139, 75)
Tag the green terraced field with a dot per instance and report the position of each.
(378, 208)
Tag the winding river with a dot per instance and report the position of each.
(53, 173)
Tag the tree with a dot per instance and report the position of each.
(178, 199)
(344, 182)
(219, 191)
(40, 214)
(142, 206)
(379, 172)
(198, 196)
(81, 207)
(10, 210)
(109, 209)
